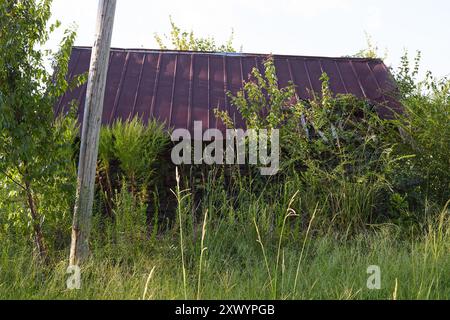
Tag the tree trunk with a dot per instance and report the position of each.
(36, 223)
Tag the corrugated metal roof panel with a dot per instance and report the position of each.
(180, 87)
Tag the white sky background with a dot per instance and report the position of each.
(297, 27)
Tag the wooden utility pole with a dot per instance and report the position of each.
(93, 110)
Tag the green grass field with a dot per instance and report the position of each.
(329, 269)
(236, 265)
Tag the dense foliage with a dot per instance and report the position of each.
(131, 161)
(335, 147)
(35, 149)
(426, 129)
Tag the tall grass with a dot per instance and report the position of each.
(181, 195)
(234, 268)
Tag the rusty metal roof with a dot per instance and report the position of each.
(180, 87)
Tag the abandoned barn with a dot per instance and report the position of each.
(180, 87)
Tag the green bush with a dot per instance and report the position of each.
(136, 146)
(426, 136)
(131, 157)
(336, 146)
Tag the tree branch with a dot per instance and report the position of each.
(13, 180)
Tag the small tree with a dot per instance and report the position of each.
(371, 51)
(34, 147)
(183, 40)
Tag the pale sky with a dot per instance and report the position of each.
(296, 27)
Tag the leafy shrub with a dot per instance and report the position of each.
(336, 145)
(137, 147)
(426, 136)
(329, 130)
(131, 156)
